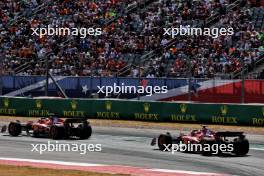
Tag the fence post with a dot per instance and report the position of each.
(1, 83)
(1, 76)
(139, 78)
(47, 77)
(243, 81)
(91, 85)
(189, 78)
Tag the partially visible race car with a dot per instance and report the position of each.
(240, 145)
(52, 127)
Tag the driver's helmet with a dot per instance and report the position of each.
(193, 132)
(53, 118)
(43, 119)
(206, 131)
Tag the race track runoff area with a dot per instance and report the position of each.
(128, 151)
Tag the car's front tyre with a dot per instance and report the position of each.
(14, 128)
(56, 132)
(163, 141)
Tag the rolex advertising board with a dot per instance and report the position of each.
(228, 114)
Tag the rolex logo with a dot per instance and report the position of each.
(224, 110)
(108, 105)
(74, 105)
(146, 107)
(38, 104)
(6, 102)
(183, 108)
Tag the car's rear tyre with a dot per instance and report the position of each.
(85, 131)
(14, 128)
(219, 151)
(241, 147)
(207, 145)
(164, 141)
(56, 132)
(35, 134)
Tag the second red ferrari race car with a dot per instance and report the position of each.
(52, 127)
(205, 137)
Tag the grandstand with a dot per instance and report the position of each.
(128, 36)
(132, 43)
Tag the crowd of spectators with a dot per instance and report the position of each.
(205, 56)
(130, 35)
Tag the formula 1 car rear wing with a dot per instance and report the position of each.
(76, 120)
(230, 134)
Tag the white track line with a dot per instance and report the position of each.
(183, 172)
(51, 162)
(93, 165)
(261, 149)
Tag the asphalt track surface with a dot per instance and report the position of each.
(131, 147)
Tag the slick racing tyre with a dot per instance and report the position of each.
(85, 131)
(207, 147)
(164, 140)
(56, 132)
(14, 128)
(241, 147)
(35, 134)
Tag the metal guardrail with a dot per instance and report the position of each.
(228, 9)
(259, 62)
(34, 12)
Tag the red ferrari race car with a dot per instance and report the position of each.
(213, 142)
(53, 127)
